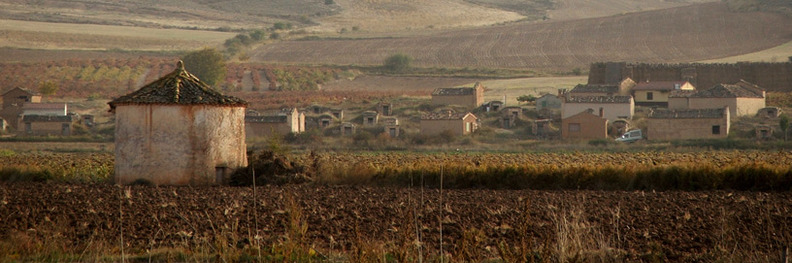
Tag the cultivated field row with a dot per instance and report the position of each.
(692, 33)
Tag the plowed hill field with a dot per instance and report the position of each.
(692, 33)
(636, 226)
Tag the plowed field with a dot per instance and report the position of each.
(691, 33)
(664, 226)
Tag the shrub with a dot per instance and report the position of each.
(398, 62)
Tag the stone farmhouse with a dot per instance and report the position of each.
(610, 107)
(285, 122)
(178, 131)
(457, 123)
(48, 125)
(13, 101)
(510, 116)
(668, 124)
(655, 93)
(470, 98)
(742, 98)
(391, 126)
(584, 125)
(370, 118)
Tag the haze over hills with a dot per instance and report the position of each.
(545, 35)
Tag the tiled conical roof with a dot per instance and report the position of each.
(177, 88)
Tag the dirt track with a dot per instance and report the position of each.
(674, 225)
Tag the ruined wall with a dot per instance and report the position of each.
(769, 76)
(178, 144)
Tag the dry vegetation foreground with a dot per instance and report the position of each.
(363, 224)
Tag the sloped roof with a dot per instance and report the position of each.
(740, 89)
(595, 88)
(687, 114)
(44, 106)
(445, 116)
(22, 89)
(659, 85)
(599, 99)
(177, 88)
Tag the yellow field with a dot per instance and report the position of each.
(43, 35)
(777, 54)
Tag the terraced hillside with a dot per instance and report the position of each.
(692, 33)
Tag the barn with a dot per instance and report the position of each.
(178, 131)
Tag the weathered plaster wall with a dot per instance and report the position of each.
(178, 145)
(591, 127)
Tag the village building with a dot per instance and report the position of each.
(48, 125)
(611, 107)
(13, 101)
(54, 109)
(337, 113)
(470, 98)
(385, 108)
(325, 120)
(370, 118)
(456, 123)
(391, 126)
(548, 101)
(584, 126)
(541, 128)
(742, 98)
(764, 132)
(622, 88)
(347, 128)
(285, 122)
(178, 131)
(769, 112)
(494, 105)
(510, 116)
(655, 93)
(682, 124)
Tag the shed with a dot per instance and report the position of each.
(178, 131)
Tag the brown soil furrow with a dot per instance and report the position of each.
(677, 226)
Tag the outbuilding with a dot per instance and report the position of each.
(178, 131)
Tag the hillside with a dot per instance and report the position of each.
(692, 33)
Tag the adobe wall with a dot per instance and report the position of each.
(612, 111)
(591, 127)
(434, 127)
(469, 101)
(737, 106)
(681, 129)
(769, 76)
(45, 129)
(177, 144)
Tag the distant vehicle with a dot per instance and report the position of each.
(631, 136)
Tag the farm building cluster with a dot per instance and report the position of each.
(178, 130)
